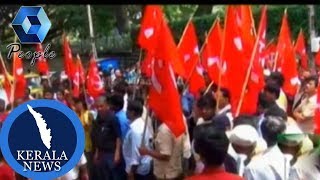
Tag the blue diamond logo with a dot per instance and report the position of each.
(31, 24)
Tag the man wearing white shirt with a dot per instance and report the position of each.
(137, 166)
(307, 166)
(79, 172)
(304, 113)
(270, 164)
(224, 105)
(244, 139)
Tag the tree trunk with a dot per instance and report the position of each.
(122, 20)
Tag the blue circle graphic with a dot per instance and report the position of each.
(59, 118)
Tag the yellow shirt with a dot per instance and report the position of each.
(282, 101)
(86, 123)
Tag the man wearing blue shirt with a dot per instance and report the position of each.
(116, 103)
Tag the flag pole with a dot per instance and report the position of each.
(139, 76)
(94, 50)
(253, 25)
(185, 86)
(249, 68)
(277, 53)
(201, 50)
(83, 83)
(221, 58)
(275, 61)
(145, 125)
(3, 65)
(13, 87)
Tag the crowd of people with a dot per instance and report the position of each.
(125, 140)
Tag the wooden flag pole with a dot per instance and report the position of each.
(185, 85)
(208, 88)
(138, 76)
(221, 58)
(275, 61)
(145, 125)
(13, 87)
(252, 19)
(83, 83)
(3, 65)
(201, 50)
(277, 53)
(243, 91)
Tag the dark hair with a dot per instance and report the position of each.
(312, 78)
(221, 122)
(207, 101)
(277, 77)
(78, 100)
(117, 101)
(245, 119)
(211, 143)
(277, 112)
(225, 93)
(139, 99)
(271, 127)
(9, 106)
(262, 101)
(273, 89)
(136, 107)
(2, 105)
(121, 87)
(180, 88)
(48, 90)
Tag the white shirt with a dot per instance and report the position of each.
(132, 143)
(269, 166)
(125, 102)
(73, 174)
(3, 95)
(145, 118)
(305, 167)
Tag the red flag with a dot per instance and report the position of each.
(7, 85)
(164, 98)
(67, 59)
(153, 26)
(42, 63)
(81, 70)
(300, 49)
(149, 29)
(234, 54)
(286, 60)
(18, 75)
(188, 48)
(211, 51)
(171, 50)
(196, 82)
(94, 81)
(317, 58)
(76, 78)
(146, 64)
(8, 81)
(247, 28)
(269, 54)
(189, 51)
(256, 77)
(317, 113)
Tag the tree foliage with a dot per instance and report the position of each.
(116, 26)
